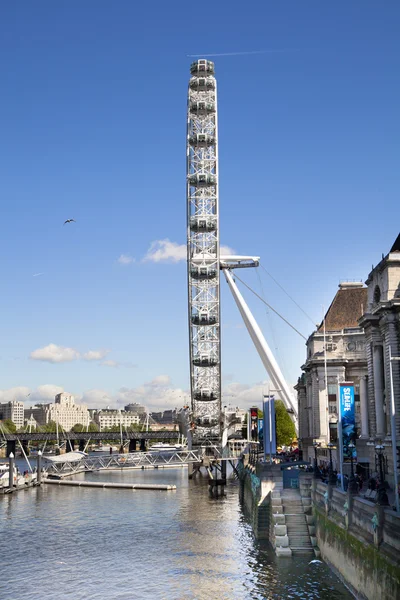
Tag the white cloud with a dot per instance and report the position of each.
(58, 354)
(125, 259)
(55, 354)
(157, 394)
(109, 363)
(165, 250)
(226, 251)
(42, 394)
(114, 364)
(95, 354)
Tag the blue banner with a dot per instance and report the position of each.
(269, 433)
(347, 418)
(261, 434)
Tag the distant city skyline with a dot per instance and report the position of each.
(93, 129)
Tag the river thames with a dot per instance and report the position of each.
(94, 544)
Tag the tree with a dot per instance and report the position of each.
(9, 426)
(285, 429)
(78, 428)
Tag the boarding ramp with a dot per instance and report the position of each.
(63, 466)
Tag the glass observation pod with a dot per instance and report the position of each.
(203, 223)
(204, 395)
(204, 360)
(202, 66)
(202, 140)
(202, 179)
(202, 84)
(202, 108)
(204, 319)
(203, 272)
(206, 422)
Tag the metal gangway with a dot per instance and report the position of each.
(132, 460)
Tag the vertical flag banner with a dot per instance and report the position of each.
(348, 418)
(269, 427)
(261, 434)
(253, 424)
(273, 425)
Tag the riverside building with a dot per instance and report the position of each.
(362, 333)
(112, 417)
(63, 411)
(333, 356)
(14, 411)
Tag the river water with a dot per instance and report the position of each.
(94, 544)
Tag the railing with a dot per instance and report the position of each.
(125, 461)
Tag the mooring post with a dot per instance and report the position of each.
(39, 467)
(223, 470)
(11, 471)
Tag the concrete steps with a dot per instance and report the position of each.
(293, 524)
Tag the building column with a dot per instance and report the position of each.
(378, 391)
(364, 407)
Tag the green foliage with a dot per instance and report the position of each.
(8, 426)
(285, 430)
(78, 428)
(51, 427)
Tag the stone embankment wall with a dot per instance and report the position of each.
(257, 501)
(360, 540)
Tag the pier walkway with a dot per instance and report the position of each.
(133, 460)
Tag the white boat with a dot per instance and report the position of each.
(161, 447)
(104, 448)
(18, 479)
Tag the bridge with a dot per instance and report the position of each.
(72, 437)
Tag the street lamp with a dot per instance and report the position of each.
(382, 497)
(332, 478)
(353, 487)
(315, 446)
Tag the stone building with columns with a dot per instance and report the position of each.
(381, 323)
(362, 331)
(336, 353)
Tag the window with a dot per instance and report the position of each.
(333, 432)
(332, 391)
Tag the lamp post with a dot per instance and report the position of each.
(353, 487)
(315, 446)
(332, 478)
(382, 497)
(393, 430)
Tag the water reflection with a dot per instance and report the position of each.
(122, 545)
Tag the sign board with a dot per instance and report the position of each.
(347, 419)
(253, 424)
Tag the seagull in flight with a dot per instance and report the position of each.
(69, 221)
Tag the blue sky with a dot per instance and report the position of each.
(93, 115)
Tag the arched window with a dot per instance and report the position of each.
(377, 294)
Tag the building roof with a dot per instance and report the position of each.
(347, 307)
(396, 245)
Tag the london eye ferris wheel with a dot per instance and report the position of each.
(203, 250)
